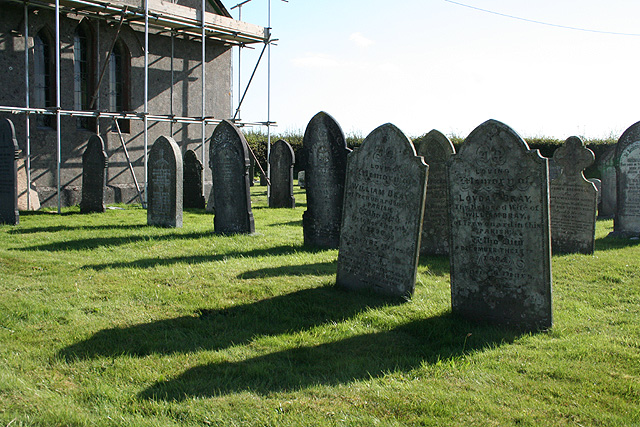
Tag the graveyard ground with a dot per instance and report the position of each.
(105, 321)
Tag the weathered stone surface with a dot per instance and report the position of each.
(384, 200)
(193, 196)
(554, 169)
(500, 251)
(598, 185)
(436, 149)
(626, 222)
(573, 200)
(301, 179)
(164, 202)
(94, 166)
(9, 153)
(606, 165)
(325, 151)
(281, 161)
(33, 202)
(229, 163)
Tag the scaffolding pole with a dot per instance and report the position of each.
(146, 97)
(58, 104)
(204, 90)
(27, 165)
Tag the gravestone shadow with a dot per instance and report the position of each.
(313, 269)
(611, 243)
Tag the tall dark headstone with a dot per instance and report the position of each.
(574, 200)
(94, 166)
(436, 149)
(500, 251)
(281, 161)
(324, 150)
(384, 199)
(606, 165)
(626, 222)
(193, 196)
(164, 201)
(9, 153)
(229, 162)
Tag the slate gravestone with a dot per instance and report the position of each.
(324, 150)
(598, 184)
(574, 200)
(9, 153)
(252, 169)
(500, 251)
(281, 161)
(626, 222)
(164, 202)
(94, 166)
(554, 169)
(301, 179)
(606, 165)
(193, 196)
(229, 162)
(436, 149)
(384, 200)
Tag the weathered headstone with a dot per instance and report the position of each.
(229, 162)
(555, 169)
(436, 149)
(324, 150)
(301, 179)
(193, 196)
(281, 161)
(606, 165)
(500, 251)
(627, 160)
(384, 199)
(164, 201)
(32, 202)
(9, 152)
(598, 184)
(94, 166)
(573, 200)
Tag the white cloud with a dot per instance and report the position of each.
(360, 40)
(315, 60)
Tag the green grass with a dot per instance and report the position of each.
(105, 321)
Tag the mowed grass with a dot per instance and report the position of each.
(105, 321)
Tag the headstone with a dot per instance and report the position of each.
(573, 200)
(193, 196)
(301, 179)
(252, 169)
(281, 161)
(554, 169)
(598, 184)
(606, 165)
(436, 149)
(627, 160)
(211, 201)
(31, 203)
(500, 251)
(229, 162)
(384, 200)
(94, 166)
(9, 153)
(164, 201)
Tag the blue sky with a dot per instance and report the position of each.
(433, 64)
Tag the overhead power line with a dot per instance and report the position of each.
(566, 27)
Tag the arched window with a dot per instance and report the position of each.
(83, 75)
(44, 90)
(119, 83)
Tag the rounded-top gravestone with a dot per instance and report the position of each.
(164, 202)
(94, 165)
(281, 161)
(9, 153)
(626, 222)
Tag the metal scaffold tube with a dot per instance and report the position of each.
(27, 104)
(146, 97)
(58, 104)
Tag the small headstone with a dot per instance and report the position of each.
(384, 199)
(9, 152)
(301, 179)
(281, 161)
(573, 200)
(211, 201)
(325, 151)
(229, 162)
(193, 196)
(252, 169)
(164, 202)
(31, 203)
(598, 184)
(436, 150)
(606, 165)
(627, 219)
(94, 166)
(500, 250)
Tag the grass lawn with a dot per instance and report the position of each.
(105, 321)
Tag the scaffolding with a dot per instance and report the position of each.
(155, 17)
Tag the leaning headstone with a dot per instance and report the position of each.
(301, 179)
(193, 196)
(324, 150)
(436, 149)
(500, 251)
(627, 160)
(164, 201)
(94, 166)
(9, 153)
(229, 162)
(573, 200)
(281, 161)
(384, 199)
(606, 165)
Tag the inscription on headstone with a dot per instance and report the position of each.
(193, 196)
(500, 250)
(281, 161)
(9, 152)
(384, 200)
(94, 165)
(325, 151)
(607, 167)
(627, 219)
(436, 149)
(229, 162)
(573, 200)
(164, 202)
